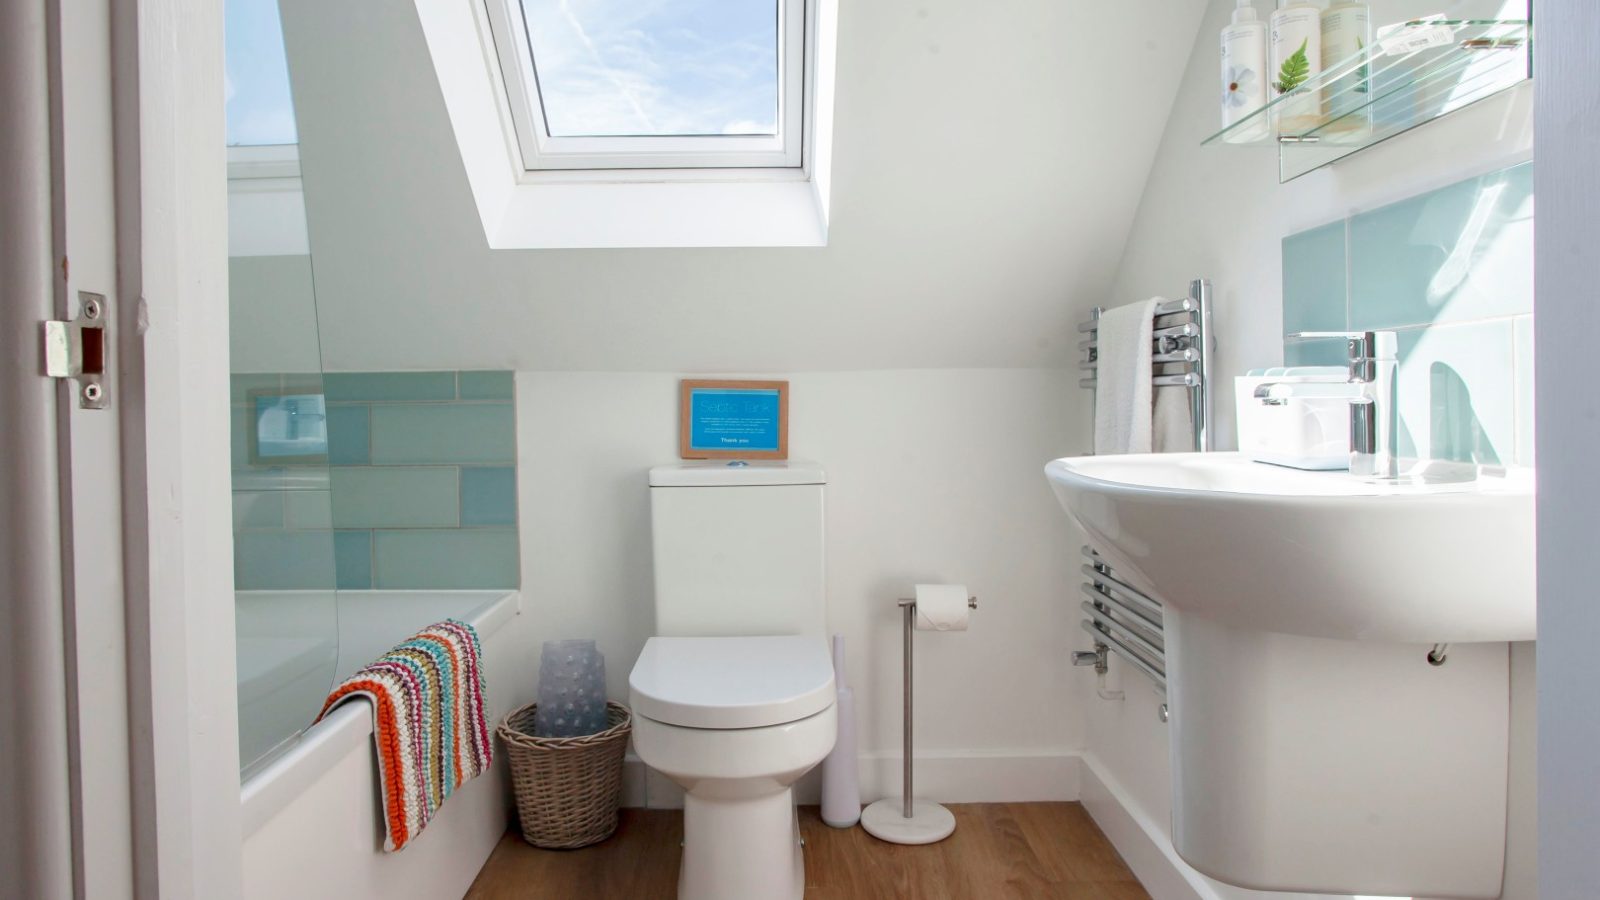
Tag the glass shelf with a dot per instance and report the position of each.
(1375, 95)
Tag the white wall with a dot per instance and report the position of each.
(932, 476)
(965, 216)
(273, 326)
(1220, 212)
(1567, 271)
(962, 225)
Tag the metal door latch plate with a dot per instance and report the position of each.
(77, 350)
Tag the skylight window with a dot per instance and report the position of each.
(624, 84)
(260, 110)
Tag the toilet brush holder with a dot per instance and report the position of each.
(903, 819)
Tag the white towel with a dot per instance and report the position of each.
(1122, 393)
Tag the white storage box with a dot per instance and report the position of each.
(1304, 423)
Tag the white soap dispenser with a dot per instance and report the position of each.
(1244, 74)
(1296, 36)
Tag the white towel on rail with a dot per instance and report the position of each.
(1122, 392)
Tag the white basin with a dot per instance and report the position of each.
(1444, 556)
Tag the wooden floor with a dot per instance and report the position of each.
(999, 850)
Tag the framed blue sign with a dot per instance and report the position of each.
(733, 419)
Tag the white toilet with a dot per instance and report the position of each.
(734, 698)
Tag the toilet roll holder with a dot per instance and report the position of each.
(906, 820)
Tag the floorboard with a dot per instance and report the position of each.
(1000, 850)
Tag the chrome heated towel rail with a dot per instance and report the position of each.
(1121, 619)
(1180, 356)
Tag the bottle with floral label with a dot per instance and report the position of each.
(1244, 75)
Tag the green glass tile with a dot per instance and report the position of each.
(352, 558)
(443, 433)
(302, 383)
(391, 386)
(461, 559)
(1456, 394)
(1460, 253)
(257, 509)
(240, 386)
(349, 435)
(304, 509)
(283, 560)
(486, 385)
(1316, 352)
(239, 438)
(395, 497)
(1314, 280)
(489, 496)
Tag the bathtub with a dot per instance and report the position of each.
(311, 813)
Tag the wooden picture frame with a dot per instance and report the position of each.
(751, 429)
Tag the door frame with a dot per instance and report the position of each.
(173, 257)
(1567, 423)
(119, 722)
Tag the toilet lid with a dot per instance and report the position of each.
(732, 682)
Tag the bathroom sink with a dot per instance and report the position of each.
(1444, 554)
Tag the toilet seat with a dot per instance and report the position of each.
(732, 682)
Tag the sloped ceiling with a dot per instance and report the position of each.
(989, 161)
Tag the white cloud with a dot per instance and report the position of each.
(612, 67)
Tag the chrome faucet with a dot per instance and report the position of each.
(1374, 413)
(1374, 407)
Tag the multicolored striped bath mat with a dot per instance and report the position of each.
(428, 722)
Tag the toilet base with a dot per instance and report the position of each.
(745, 848)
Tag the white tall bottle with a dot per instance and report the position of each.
(1296, 35)
(1346, 35)
(841, 782)
(1244, 74)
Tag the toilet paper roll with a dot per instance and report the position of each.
(942, 607)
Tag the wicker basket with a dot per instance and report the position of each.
(568, 789)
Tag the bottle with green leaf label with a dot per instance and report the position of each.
(1295, 35)
(1346, 32)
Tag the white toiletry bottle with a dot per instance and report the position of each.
(1346, 34)
(1296, 35)
(1244, 74)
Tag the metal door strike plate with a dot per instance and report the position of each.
(77, 350)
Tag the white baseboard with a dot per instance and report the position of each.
(1144, 845)
(971, 776)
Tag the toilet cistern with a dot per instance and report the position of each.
(1373, 357)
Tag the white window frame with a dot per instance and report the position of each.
(548, 209)
(249, 162)
(541, 151)
(266, 201)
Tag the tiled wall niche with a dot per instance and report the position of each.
(418, 492)
(1451, 271)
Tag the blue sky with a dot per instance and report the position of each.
(606, 67)
(656, 67)
(260, 108)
